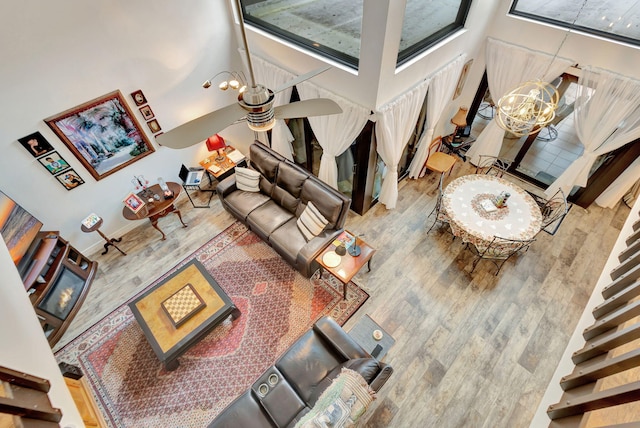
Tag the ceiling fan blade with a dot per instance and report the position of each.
(307, 108)
(301, 78)
(198, 130)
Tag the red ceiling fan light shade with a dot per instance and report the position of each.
(215, 142)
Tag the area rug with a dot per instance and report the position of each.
(278, 305)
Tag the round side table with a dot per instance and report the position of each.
(110, 241)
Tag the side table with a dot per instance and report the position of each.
(110, 241)
(349, 265)
(363, 332)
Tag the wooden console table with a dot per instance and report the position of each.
(157, 209)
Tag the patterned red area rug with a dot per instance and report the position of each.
(277, 303)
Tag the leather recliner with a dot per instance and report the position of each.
(289, 389)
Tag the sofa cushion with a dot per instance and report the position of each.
(342, 404)
(247, 179)
(329, 205)
(291, 178)
(368, 368)
(267, 218)
(242, 203)
(307, 362)
(285, 199)
(311, 222)
(264, 162)
(244, 411)
(287, 240)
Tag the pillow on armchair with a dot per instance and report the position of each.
(247, 179)
(341, 404)
(311, 223)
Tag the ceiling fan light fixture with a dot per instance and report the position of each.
(206, 84)
(234, 84)
(223, 86)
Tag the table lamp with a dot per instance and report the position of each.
(216, 143)
(459, 120)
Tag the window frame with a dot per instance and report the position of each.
(570, 26)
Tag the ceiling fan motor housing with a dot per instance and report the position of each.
(258, 102)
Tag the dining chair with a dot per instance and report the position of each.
(441, 163)
(553, 210)
(492, 165)
(499, 250)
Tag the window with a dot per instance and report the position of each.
(333, 27)
(330, 27)
(427, 22)
(612, 19)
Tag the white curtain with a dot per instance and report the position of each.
(396, 121)
(606, 117)
(441, 89)
(273, 77)
(334, 132)
(508, 66)
(616, 190)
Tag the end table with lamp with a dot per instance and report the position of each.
(92, 223)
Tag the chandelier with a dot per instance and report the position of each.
(527, 108)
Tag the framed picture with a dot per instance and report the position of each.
(69, 179)
(154, 126)
(133, 202)
(147, 113)
(36, 144)
(103, 134)
(462, 79)
(53, 162)
(138, 97)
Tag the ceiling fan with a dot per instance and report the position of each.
(255, 105)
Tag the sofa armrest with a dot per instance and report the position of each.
(339, 339)
(226, 186)
(382, 377)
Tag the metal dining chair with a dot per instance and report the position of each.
(492, 165)
(499, 251)
(553, 210)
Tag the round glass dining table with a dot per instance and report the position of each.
(467, 207)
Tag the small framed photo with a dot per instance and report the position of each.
(53, 162)
(154, 126)
(138, 97)
(147, 113)
(36, 144)
(133, 202)
(69, 179)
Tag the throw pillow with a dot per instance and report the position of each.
(340, 405)
(311, 223)
(247, 179)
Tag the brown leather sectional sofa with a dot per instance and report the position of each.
(285, 392)
(285, 190)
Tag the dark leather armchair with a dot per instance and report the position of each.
(288, 390)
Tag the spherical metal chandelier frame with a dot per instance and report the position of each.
(528, 108)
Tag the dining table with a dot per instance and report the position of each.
(468, 206)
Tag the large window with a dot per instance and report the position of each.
(613, 19)
(334, 27)
(426, 22)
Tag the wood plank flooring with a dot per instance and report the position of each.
(472, 350)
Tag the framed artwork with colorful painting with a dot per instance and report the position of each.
(103, 134)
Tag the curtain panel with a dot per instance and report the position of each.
(334, 132)
(396, 121)
(441, 89)
(509, 65)
(273, 77)
(606, 117)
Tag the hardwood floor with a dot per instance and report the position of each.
(472, 350)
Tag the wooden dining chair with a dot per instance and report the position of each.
(499, 250)
(441, 163)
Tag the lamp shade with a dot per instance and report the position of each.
(460, 118)
(215, 142)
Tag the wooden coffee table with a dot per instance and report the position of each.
(179, 311)
(349, 265)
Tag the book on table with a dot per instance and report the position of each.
(346, 239)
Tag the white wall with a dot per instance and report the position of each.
(56, 55)
(23, 347)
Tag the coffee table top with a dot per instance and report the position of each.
(349, 265)
(152, 310)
